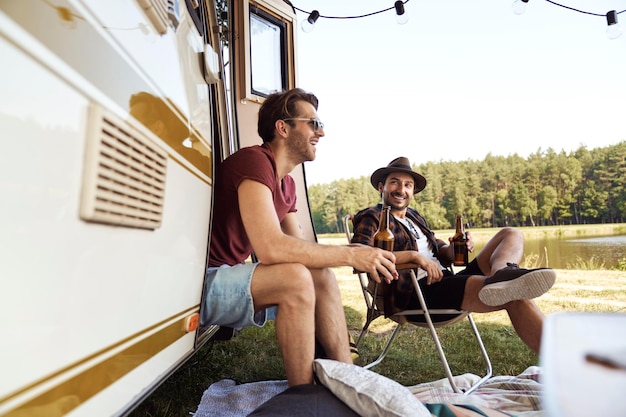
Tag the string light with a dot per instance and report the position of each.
(309, 24)
(401, 16)
(519, 6)
(613, 31)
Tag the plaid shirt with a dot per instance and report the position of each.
(400, 294)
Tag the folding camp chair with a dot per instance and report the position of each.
(424, 317)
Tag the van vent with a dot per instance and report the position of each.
(124, 177)
(158, 12)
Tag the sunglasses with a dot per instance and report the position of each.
(316, 124)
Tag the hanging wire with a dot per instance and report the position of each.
(580, 11)
(350, 17)
(406, 1)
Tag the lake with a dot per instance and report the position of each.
(561, 245)
(560, 252)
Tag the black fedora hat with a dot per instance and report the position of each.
(400, 164)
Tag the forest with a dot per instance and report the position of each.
(546, 188)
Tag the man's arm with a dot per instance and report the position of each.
(446, 254)
(433, 271)
(291, 226)
(272, 244)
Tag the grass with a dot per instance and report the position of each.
(253, 355)
(594, 262)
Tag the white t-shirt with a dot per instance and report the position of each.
(422, 243)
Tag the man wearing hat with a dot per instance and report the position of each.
(491, 281)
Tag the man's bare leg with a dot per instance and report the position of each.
(330, 320)
(527, 321)
(290, 287)
(525, 317)
(505, 246)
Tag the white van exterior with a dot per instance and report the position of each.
(113, 115)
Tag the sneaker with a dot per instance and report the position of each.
(515, 283)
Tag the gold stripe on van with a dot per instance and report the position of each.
(163, 118)
(71, 393)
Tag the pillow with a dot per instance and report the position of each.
(366, 392)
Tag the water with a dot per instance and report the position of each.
(607, 250)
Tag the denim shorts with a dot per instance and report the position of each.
(227, 298)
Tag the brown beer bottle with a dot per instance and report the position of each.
(459, 243)
(384, 238)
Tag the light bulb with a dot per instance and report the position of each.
(309, 24)
(613, 31)
(401, 16)
(519, 6)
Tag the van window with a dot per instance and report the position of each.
(267, 55)
(196, 12)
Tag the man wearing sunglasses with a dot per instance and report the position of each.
(292, 280)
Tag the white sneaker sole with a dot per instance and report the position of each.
(526, 287)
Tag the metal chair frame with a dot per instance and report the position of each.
(373, 312)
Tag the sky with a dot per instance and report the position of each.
(459, 80)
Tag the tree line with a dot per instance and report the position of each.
(546, 188)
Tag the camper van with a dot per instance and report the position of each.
(113, 117)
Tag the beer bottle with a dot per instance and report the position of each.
(459, 243)
(384, 238)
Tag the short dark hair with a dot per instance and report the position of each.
(279, 106)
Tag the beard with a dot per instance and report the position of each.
(396, 205)
(301, 149)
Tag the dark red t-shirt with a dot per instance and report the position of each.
(229, 243)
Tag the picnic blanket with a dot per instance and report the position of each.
(516, 395)
(227, 398)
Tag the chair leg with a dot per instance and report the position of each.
(366, 326)
(386, 349)
(442, 355)
(489, 372)
(433, 332)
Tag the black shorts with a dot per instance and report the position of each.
(449, 292)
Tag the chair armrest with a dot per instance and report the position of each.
(399, 267)
(409, 265)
